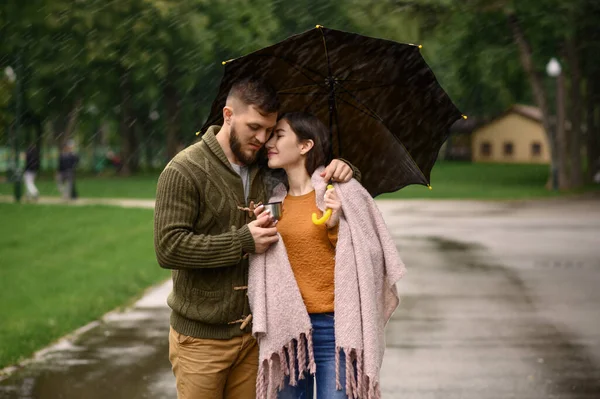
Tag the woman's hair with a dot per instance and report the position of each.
(309, 127)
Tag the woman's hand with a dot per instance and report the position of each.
(259, 209)
(332, 201)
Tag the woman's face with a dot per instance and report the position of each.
(283, 148)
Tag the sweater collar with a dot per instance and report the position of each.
(280, 191)
(210, 138)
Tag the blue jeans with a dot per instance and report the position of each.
(324, 350)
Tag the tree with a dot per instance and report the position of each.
(553, 29)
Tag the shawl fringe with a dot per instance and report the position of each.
(292, 361)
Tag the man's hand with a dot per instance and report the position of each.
(338, 171)
(263, 235)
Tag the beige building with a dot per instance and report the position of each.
(516, 136)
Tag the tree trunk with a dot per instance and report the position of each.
(448, 152)
(592, 129)
(59, 126)
(535, 79)
(39, 133)
(96, 156)
(104, 129)
(73, 117)
(148, 153)
(134, 158)
(562, 143)
(64, 125)
(39, 137)
(576, 114)
(173, 115)
(126, 123)
(145, 133)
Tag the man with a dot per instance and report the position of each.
(67, 162)
(204, 231)
(32, 167)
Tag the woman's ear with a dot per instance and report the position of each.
(306, 146)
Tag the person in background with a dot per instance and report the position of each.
(32, 167)
(67, 163)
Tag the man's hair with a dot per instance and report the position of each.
(309, 127)
(256, 91)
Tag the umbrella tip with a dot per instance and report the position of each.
(464, 116)
(429, 187)
(420, 46)
(198, 133)
(319, 26)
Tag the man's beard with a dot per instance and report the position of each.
(236, 148)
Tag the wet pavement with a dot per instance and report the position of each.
(501, 301)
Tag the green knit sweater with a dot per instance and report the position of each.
(200, 233)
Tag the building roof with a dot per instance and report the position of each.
(470, 125)
(528, 111)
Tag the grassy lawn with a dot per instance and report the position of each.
(464, 180)
(139, 186)
(460, 180)
(62, 267)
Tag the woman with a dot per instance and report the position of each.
(322, 295)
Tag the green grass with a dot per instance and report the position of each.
(450, 180)
(465, 180)
(62, 267)
(139, 186)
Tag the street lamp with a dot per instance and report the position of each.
(10, 74)
(554, 70)
(13, 76)
(93, 111)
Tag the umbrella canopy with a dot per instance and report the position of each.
(385, 110)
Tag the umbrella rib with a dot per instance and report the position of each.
(301, 87)
(297, 67)
(370, 87)
(311, 103)
(386, 128)
(360, 102)
(306, 93)
(358, 80)
(331, 83)
(366, 112)
(337, 124)
(381, 120)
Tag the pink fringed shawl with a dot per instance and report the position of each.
(367, 267)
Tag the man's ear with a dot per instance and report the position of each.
(227, 114)
(306, 146)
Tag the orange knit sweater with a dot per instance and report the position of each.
(311, 251)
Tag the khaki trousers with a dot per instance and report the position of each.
(214, 368)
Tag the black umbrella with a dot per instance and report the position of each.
(386, 112)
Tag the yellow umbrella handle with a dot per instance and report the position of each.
(326, 215)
